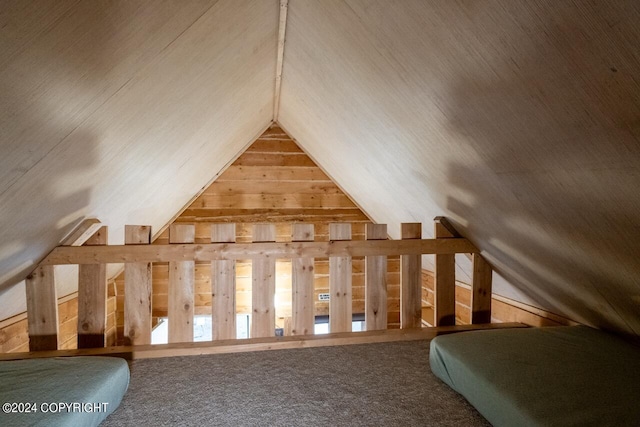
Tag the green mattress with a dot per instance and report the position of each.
(560, 376)
(64, 391)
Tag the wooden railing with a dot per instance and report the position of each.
(181, 253)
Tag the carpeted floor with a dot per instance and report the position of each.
(358, 385)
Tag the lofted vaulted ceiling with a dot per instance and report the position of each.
(519, 120)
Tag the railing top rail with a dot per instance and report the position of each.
(284, 250)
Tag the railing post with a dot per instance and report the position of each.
(410, 278)
(137, 290)
(444, 289)
(263, 271)
(302, 275)
(340, 302)
(42, 309)
(223, 286)
(180, 308)
(375, 282)
(481, 290)
(92, 297)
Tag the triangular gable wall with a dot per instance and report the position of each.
(272, 181)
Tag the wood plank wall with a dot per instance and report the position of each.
(14, 334)
(273, 181)
(503, 310)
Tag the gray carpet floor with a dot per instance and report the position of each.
(387, 384)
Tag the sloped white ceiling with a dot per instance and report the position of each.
(121, 111)
(518, 120)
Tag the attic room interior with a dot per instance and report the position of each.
(299, 212)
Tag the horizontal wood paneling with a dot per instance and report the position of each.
(274, 159)
(283, 232)
(14, 337)
(503, 309)
(273, 173)
(276, 201)
(271, 215)
(273, 187)
(274, 145)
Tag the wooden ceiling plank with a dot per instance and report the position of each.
(474, 125)
(282, 27)
(98, 105)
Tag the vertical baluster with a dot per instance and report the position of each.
(92, 297)
(340, 268)
(302, 275)
(410, 277)
(42, 309)
(375, 281)
(180, 308)
(223, 286)
(481, 290)
(263, 321)
(137, 290)
(444, 289)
